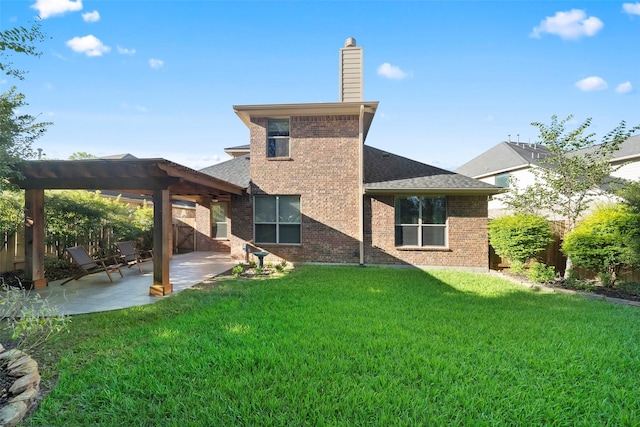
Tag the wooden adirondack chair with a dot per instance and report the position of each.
(129, 255)
(89, 265)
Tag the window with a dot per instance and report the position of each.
(277, 219)
(278, 138)
(219, 220)
(502, 180)
(421, 221)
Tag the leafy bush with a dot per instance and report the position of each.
(631, 288)
(11, 211)
(605, 241)
(237, 270)
(30, 318)
(541, 273)
(518, 238)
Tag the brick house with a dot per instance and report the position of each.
(314, 192)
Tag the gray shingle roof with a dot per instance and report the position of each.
(504, 156)
(389, 172)
(235, 171)
(383, 172)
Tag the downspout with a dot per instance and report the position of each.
(361, 185)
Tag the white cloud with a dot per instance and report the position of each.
(569, 25)
(89, 45)
(391, 72)
(48, 8)
(156, 63)
(631, 8)
(125, 51)
(591, 84)
(91, 16)
(625, 87)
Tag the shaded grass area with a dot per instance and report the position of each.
(351, 346)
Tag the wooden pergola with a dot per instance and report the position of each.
(159, 178)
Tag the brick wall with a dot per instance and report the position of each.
(323, 170)
(467, 234)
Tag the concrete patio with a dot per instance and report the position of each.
(96, 293)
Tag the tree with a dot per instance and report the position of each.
(630, 192)
(17, 134)
(575, 171)
(17, 131)
(605, 241)
(18, 40)
(520, 237)
(81, 155)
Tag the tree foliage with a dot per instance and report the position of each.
(18, 40)
(520, 237)
(18, 131)
(17, 134)
(605, 241)
(11, 211)
(574, 172)
(80, 217)
(80, 155)
(630, 192)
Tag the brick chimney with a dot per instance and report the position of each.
(350, 85)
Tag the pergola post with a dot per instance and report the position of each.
(34, 238)
(161, 243)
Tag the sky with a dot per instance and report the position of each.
(453, 78)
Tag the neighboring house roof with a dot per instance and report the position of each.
(504, 157)
(389, 173)
(629, 149)
(235, 171)
(125, 156)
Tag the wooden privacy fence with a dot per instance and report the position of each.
(12, 250)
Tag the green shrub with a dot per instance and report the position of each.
(541, 273)
(631, 288)
(31, 319)
(518, 238)
(605, 241)
(237, 270)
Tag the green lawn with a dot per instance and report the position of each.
(352, 346)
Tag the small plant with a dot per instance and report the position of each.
(541, 273)
(279, 268)
(252, 264)
(259, 270)
(283, 263)
(30, 318)
(237, 270)
(516, 266)
(631, 288)
(269, 264)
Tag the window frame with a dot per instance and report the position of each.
(278, 139)
(277, 223)
(225, 222)
(420, 225)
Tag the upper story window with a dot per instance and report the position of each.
(278, 138)
(421, 221)
(502, 180)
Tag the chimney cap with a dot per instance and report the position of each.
(350, 42)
